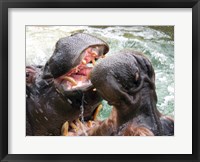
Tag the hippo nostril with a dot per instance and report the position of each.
(27, 74)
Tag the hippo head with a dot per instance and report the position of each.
(125, 79)
(61, 90)
(73, 59)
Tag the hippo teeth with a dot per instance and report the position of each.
(74, 126)
(71, 80)
(77, 70)
(64, 129)
(84, 62)
(78, 76)
(97, 111)
(93, 61)
(94, 54)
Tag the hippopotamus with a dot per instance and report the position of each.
(127, 81)
(61, 90)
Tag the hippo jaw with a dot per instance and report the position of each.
(78, 78)
(73, 59)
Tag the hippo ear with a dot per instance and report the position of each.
(148, 71)
(145, 65)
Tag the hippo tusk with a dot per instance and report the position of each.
(93, 61)
(74, 126)
(84, 61)
(89, 123)
(64, 129)
(94, 54)
(78, 121)
(82, 127)
(97, 111)
(71, 80)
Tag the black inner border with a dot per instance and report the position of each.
(6, 4)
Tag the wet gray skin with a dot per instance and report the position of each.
(48, 105)
(127, 81)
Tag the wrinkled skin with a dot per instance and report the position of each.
(127, 81)
(48, 105)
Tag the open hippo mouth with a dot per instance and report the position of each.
(78, 77)
(73, 59)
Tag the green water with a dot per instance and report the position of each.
(156, 42)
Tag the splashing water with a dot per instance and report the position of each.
(82, 115)
(82, 109)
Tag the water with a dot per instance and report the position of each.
(156, 42)
(82, 117)
(82, 109)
